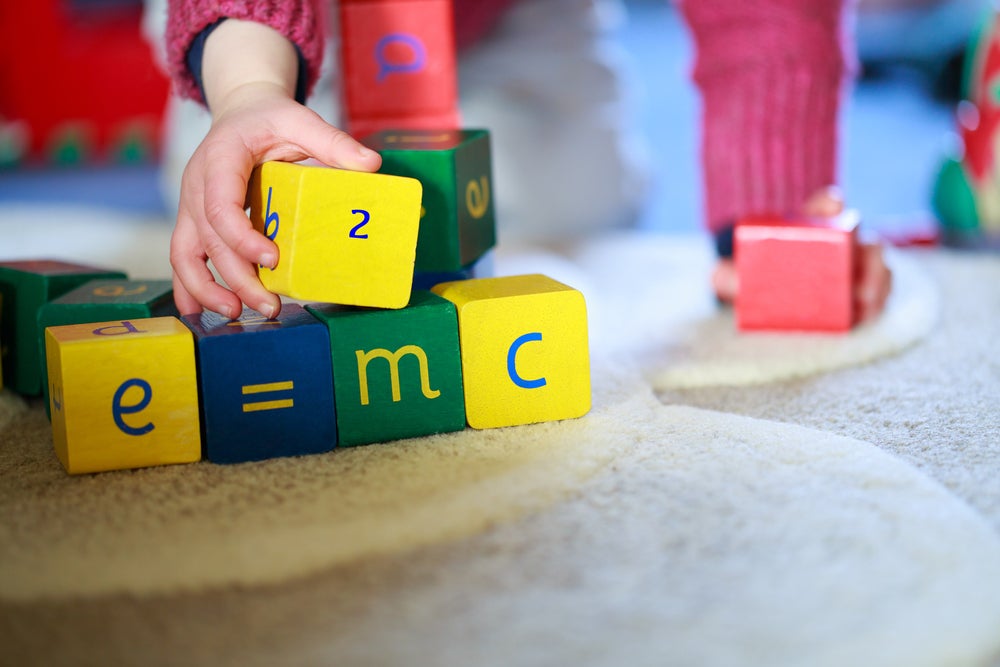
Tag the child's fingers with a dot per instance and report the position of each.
(330, 145)
(186, 304)
(241, 278)
(874, 282)
(194, 284)
(225, 194)
(825, 202)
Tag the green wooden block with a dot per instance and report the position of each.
(396, 373)
(26, 286)
(458, 222)
(104, 301)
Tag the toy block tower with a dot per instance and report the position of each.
(343, 236)
(25, 286)
(796, 274)
(266, 385)
(123, 394)
(525, 355)
(101, 300)
(399, 66)
(397, 374)
(458, 223)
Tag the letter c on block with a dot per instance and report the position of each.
(512, 362)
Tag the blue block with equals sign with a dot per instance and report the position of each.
(266, 385)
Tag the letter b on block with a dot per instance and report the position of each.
(524, 345)
(123, 394)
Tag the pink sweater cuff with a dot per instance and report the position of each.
(771, 76)
(300, 21)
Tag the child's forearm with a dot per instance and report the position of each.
(302, 22)
(243, 56)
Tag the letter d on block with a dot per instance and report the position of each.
(125, 327)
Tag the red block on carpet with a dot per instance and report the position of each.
(796, 274)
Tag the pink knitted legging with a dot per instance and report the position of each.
(771, 76)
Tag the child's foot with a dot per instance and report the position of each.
(872, 283)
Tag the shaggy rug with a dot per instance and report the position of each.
(772, 500)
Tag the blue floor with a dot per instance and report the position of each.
(894, 136)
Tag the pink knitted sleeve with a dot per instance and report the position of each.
(301, 21)
(771, 75)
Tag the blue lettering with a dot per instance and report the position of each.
(512, 362)
(386, 68)
(117, 329)
(365, 217)
(270, 217)
(118, 410)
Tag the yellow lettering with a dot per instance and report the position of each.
(394, 358)
(477, 197)
(119, 290)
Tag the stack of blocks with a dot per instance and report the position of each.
(404, 338)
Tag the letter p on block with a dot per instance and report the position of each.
(524, 346)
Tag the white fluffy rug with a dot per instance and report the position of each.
(640, 534)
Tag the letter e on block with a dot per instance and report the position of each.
(524, 346)
(123, 394)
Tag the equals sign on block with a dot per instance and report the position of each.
(262, 396)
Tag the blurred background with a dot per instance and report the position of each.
(81, 108)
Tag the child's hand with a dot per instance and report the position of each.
(873, 280)
(255, 120)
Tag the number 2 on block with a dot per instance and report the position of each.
(355, 230)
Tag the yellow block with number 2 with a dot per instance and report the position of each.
(343, 236)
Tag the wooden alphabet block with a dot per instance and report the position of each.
(123, 394)
(101, 300)
(266, 385)
(458, 223)
(481, 268)
(343, 236)
(362, 126)
(25, 286)
(398, 58)
(796, 275)
(397, 374)
(525, 356)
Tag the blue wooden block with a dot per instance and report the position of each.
(266, 385)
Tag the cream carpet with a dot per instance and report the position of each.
(842, 508)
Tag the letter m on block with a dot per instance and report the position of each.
(393, 359)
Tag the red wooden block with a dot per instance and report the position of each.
(796, 274)
(398, 58)
(361, 127)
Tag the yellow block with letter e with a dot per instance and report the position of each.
(524, 348)
(343, 237)
(123, 394)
